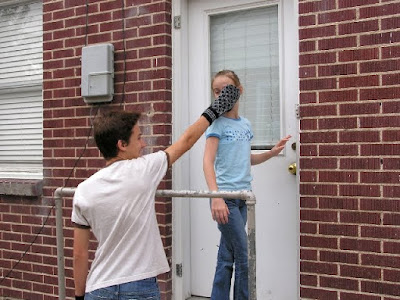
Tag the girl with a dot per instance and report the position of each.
(226, 164)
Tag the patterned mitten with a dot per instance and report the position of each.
(225, 102)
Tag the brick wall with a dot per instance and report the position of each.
(67, 121)
(350, 150)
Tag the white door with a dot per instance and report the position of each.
(258, 40)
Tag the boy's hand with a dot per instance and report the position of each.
(225, 102)
(219, 210)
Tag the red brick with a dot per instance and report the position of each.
(391, 275)
(318, 268)
(337, 176)
(308, 97)
(391, 191)
(318, 137)
(338, 96)
(52, 6)
(99, 38)
(308, 150)
(339, 283)
(316, 215)
(354, 3)
(337, 43)
(308, 228)
(337, 69)
(317, 58)
(389, 107)
(380, 260)
(390, 23)
(390, 52)
(351, 296)
(308, 254)
(391, 164)
(358, 27)
(308, 293)
(359, 108)
(319, 110)
(380, 177)
(380, 288)
(391, 219)
(320, 189)
(339, 230)
(308, 202)
(380, 66)
(338, 203)
(307, 72)
(308, 124)
(338, 150)
(360, 217)
(381, 232)
(317, 84)
(391, 247)
(307, 46)
(309, 280)
(359, 81)
(379, 38)
(380, 205)
(380, 149)
(337, 16)
(378, 11)
(316, 6)
(391, 79)
(376, 122)
(360, 245)
(318, 163)
(307, 176)
(307, 20)
(359, 190)
(360, 272)
(359, 136)
(337, 123)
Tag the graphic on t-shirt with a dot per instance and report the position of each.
(237, 135)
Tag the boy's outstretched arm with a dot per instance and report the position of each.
(262, 157)
(227, 99)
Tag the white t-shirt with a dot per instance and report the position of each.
(117, 203)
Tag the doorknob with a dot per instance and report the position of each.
(292, 168)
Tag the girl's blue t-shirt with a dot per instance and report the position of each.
(232, 161)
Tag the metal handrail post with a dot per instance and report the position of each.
(248, 196)
(251, 240)
(58, 199)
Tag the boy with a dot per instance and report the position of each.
(117, 205)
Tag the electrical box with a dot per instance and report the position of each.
(97, 82)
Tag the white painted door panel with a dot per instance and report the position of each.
(277, 208)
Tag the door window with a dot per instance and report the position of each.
(247, 42)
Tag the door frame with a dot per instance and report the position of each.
(181, 253)
(180, 115)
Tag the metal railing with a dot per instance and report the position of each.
(247, 196)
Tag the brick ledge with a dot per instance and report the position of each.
(21, 187)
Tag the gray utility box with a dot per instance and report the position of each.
(97, 83)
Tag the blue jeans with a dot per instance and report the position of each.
(232, 251)
(146, 289)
